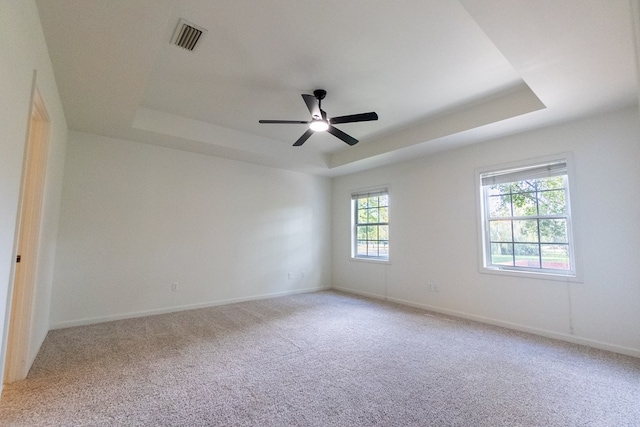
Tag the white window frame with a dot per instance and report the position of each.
(359, 194)
(515, 169)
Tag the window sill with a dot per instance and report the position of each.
(532, 274)
(371, 260)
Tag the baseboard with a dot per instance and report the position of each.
(361, 293)
(495, 322)
(132, 315)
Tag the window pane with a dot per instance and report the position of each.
(496, 189)
(362, 216)
(527, 255)
(362, 203)
(372, 248)
(551, 183)
(362, 233)
(500, 231)
(383, 231)
(361, 248)
(555, 257)
(384, 248)
(383, 200)
(523, 186)
(552, 202)
(553, 231)
(500, 206)
(384, 214)
(372, 215)
(373, 202)
(524, 204)
(525, 230)
(502, 254)
(372, 232)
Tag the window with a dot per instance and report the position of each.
(527, 220)
(370, 238)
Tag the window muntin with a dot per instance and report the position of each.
(527, 222)
(370, 236)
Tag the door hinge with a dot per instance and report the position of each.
(18, 258)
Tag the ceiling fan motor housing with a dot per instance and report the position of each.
(319, 94)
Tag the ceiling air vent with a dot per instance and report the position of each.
(187, 35)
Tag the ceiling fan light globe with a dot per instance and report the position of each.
(318, 126)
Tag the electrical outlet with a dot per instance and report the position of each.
(174, 286)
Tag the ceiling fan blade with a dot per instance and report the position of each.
(312, 105)
(294, 122)
(343, 136)
(303, 138)
(363, 117)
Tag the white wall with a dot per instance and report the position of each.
(433, 236)
(22, 51)
(136, 218)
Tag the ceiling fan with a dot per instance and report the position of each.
(319, 121)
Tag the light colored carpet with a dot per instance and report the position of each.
(319, 359)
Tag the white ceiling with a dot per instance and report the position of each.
(439, 73)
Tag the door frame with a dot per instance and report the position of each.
(17, 364)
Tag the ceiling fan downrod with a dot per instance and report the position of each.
(319, 94)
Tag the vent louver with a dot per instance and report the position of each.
(187, 35)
